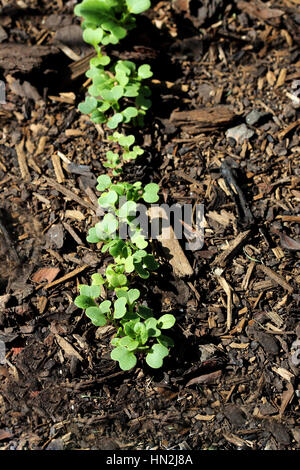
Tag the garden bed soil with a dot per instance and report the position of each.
(232, 379)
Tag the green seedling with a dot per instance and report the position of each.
(118, 96)
(139, 330)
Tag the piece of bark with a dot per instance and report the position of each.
(45, 274)
(210, 378)
(64, 278)
(23, 162)
(258, 9)
(234, 246)
(68, 348)
(204, 118)
(275, 277)
(66, 192)
(170, 245)
(224, 284)
(23, 58)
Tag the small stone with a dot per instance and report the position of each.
(55, 236)
(253, 117)
(240, 133)
(55, 444)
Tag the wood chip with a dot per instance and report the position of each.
(41, 146)
(247, 277)
(66, 277)
(199, 417)
(239, 345)
(237, 441)
(22, 162)
(42, 303)
(42, 199)
(224, 284)
(68, 348)
(73, 233)
(170, 245)
(234, 246)
(275, 277)
(57, 168)
(287, 397)
(281, 135)
(74, 214)
(70, 194)
(281, 78)
(45, 274)
(285, 374)
(205, 378)
(203, 119)
(224, 218)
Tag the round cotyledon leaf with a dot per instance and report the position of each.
(156, 356)
(126, 358)
(96, 316)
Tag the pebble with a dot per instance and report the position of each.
(55, 236)
(253, 117)
(55, 444)
(239, 133)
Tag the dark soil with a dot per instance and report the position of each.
(232, 380)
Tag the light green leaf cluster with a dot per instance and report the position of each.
(118, 96)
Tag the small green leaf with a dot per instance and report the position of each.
(129, 264)
(138, 6)
(128, 209)
(105, 306)
(117, 92)
(116, 248)
(156, 355)
(83, 301)
(133, 295)
(128, 343)
(104, 182)
(96, 316)
(115, 120)
(139, 240)
(90, 291)
(97, 279)
(129, 327)
(142, 272)
(104, 60)
(129, 113)
(126, 358)
(92, 236)
(165, 341)
(151, 325)
(150, 193)
(131, 91)
(144, 71)
(108, 226)
(98, 117)
(126, 141)
(166, 321)
(150, 263)
(145, 312)
(108, 199)
(93, 36)
(120, 307)
(88, 105)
